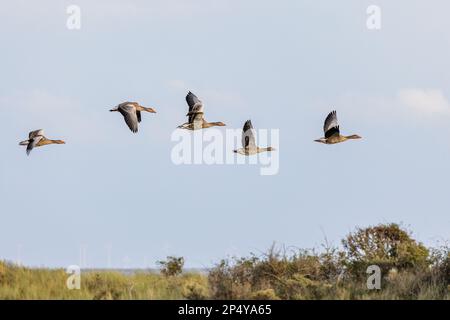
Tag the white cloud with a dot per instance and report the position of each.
(405, 107)
(424, 101)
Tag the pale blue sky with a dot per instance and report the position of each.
(284, 64)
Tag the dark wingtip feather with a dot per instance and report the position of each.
(332, 131)
(248, 125)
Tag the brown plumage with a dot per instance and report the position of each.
(332, 132)
(249, 146)
(131, 112)
(37, 139)
(195, 115)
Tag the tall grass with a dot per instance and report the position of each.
(24, 283)
(409, 271)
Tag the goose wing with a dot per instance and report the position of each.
(35, 133)
(193, 101)
(128, 111)
(331, 125)
(248, 137)
(135, 105)
(195, 106)
(33, 142)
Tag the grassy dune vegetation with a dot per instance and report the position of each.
(409, 270)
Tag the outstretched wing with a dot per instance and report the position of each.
(331, 125)
(248, 137)
(35, 133)
(129, 114)
(195, 106)
(33, 143)
(192, 101)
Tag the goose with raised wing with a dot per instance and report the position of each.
(37, 139)
(332, 132)
(195, 115)
(131, 112)
(249, 146)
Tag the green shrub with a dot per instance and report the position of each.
(172, 266)
(384, 245)
(411, 272)
(302, 274)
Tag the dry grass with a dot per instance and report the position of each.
(24, 283)
(409, 271)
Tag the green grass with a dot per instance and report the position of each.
(409, 270)
(272, 283)
(25, 283)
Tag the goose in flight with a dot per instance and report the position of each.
(195, 115)
(131, 112)
(332, 133)
(248, 142)
(37, 139)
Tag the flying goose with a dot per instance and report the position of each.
(332, 133)
(248, 142)
(195, 115)
(131, 112)
(37, 139)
